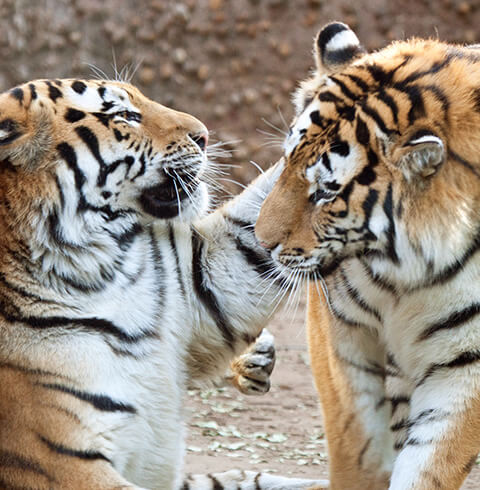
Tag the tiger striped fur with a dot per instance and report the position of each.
(380, 197)
(115, 292)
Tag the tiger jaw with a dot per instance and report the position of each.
(173, 198)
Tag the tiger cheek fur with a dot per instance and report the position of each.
(378, 203)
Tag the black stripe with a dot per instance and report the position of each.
(357, 299)
(397, 400)
(455, 319)
(457, 267)
(382, 77)
(79, 87)
(93, 324)
(363, 451)
(143, 167)
(435, 68)
(74, 115)
(362, 84)
(417, 105)
(329, 97)
(13, 460)
(370, 111)
(239, 222)
(4, 485)
(260, 262)
(216, 485)
(389, 101)
(17, 93)
(11, 127)
(257, 481)
(462, 360)
(89, 138)
(88, 455)
(463, 162)
(316, 118)
(33, 91)
(100, 402)
(345, 90)
(390, 233)
(205, 294)
(439, 95)
(68, 154)
(341, 56)
(173, 246)
(373, 368)
(19, 290)
(30, 371)
(347, 321)
(53, 91)
(361, 132)
(126, 239)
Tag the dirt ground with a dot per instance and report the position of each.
(281, 431)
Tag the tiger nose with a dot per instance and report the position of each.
(200, 138)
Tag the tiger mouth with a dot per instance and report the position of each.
(164, 200)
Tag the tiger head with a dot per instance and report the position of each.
(381, 157)
(98, 150)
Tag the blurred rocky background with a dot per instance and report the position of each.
(232, 63)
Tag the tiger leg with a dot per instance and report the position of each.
(249, 480)
(347, 365)
(441, 440)
(250, 372)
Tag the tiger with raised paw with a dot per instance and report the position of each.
(379, 203)
(117, 290)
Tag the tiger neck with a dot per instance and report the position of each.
(71, 254)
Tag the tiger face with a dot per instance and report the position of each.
(377, 157)
(100, 148)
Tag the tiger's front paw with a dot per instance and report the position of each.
(251, 371)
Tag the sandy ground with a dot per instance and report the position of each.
(281, 431)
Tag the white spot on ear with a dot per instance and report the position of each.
(342, 40)
(429, 138)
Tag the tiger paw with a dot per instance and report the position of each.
(251, 371)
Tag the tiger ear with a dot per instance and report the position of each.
(420, 156)
(336, 46)
(25, 129)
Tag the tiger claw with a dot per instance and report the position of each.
(251, 371)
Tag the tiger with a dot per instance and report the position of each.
(119, 288)
(377, 207)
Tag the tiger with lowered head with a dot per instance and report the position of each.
(380, 197)
(117, 290)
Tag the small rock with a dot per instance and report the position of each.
(75, 37)
(209, 89)
(215, 4)
(464, 8)
(146, 75)
(166, 71)
(203, 72)
(219, 111)
(179, 56)
(250, 96)
(284, 49)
